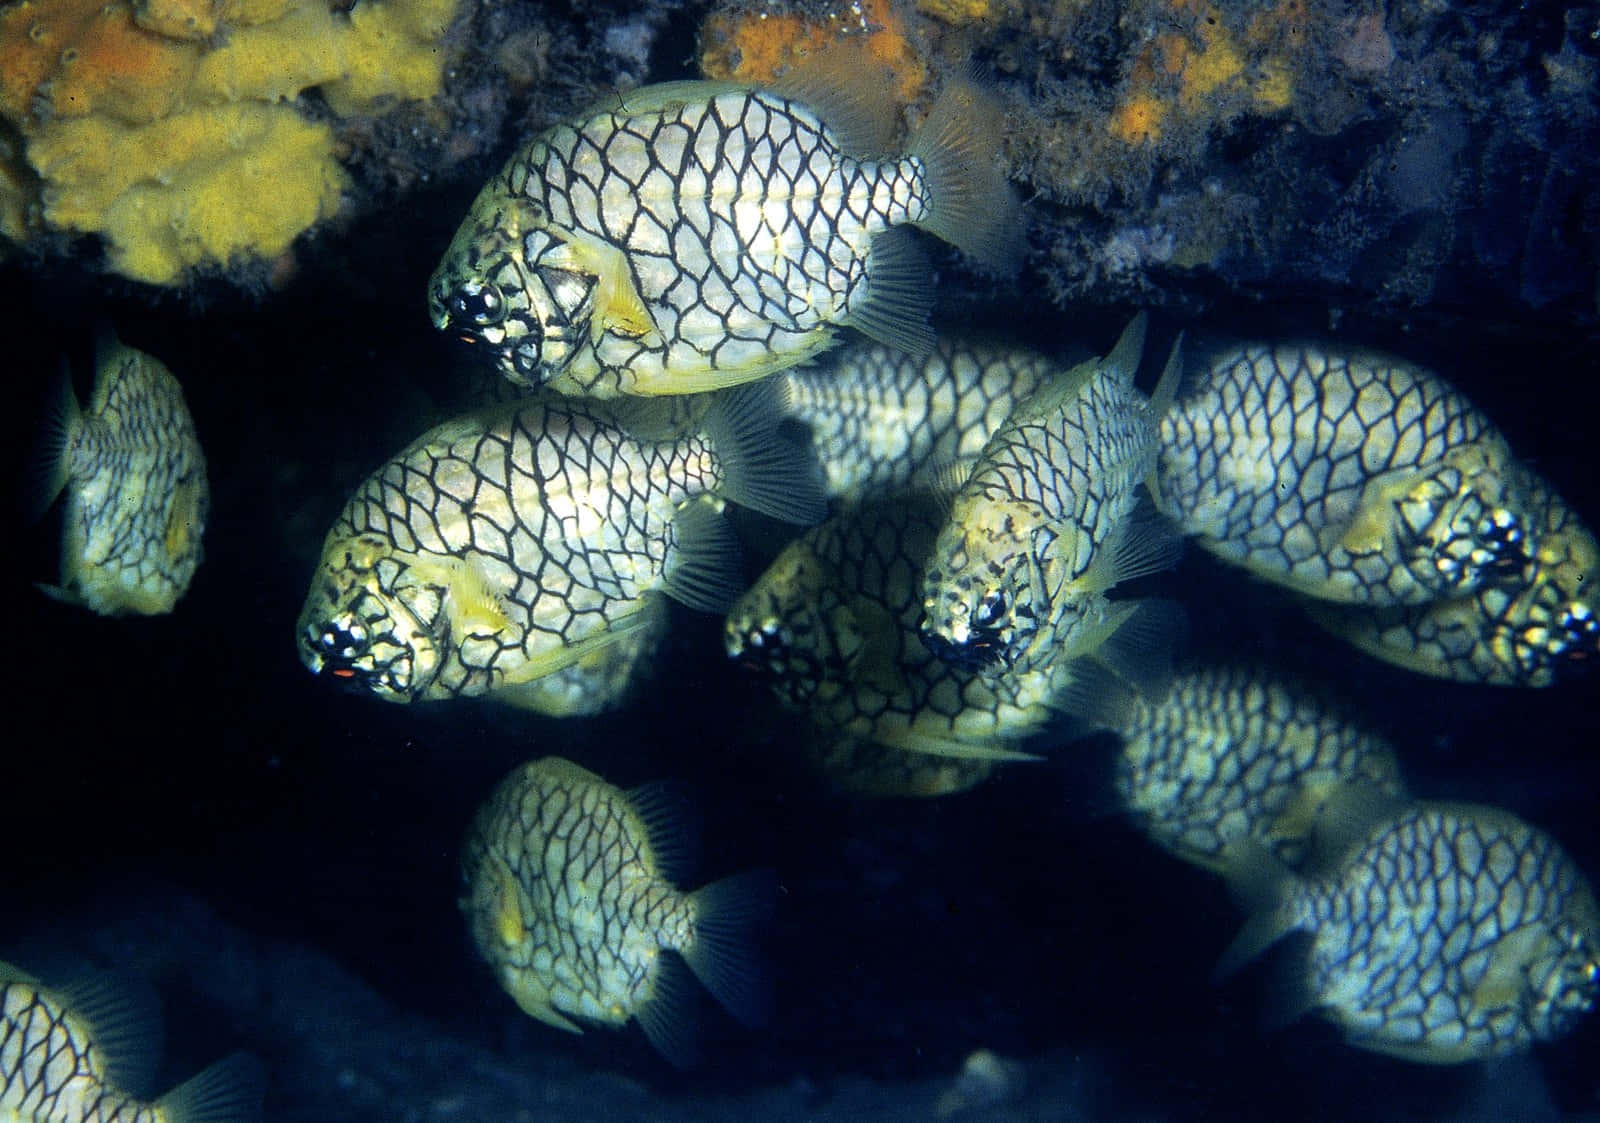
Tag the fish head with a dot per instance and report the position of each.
(1465, 522)
(1565, 982)
(786, 629)
(498, 289)
(1548, 630)
(1549, 638)
(984, 593)
(371, 621)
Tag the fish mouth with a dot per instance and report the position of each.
(345, 657)
(1572, 646)
(346, 671)
(346, 674)
(769, 651)
(353, 676)
(981, 650)
(759, 648)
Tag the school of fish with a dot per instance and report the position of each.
(664, 280)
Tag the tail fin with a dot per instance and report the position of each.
(49, 462)
(227, 1092)
(761, 469)
(723, 956)
(971, 203)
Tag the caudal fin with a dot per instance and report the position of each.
(49, 460)
(971, 203)
(723, 955)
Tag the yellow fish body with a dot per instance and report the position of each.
(570, 900)
(1042, 528)
(1448, 933)
(882, 420)
(1347, 476)
(67, 1054)
(513, 543)
(692, 235)
(1232, 754)
(135, 481)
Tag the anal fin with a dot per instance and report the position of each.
(895, 311)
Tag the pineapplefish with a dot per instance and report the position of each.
(513, 543)
(693, 235)
(135, 481)
(570, 897)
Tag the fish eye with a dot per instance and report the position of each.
(476, 305)
(990, 611)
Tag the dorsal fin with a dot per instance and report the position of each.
(844, 85)
(1124, 357)
(1166, 389)
(671, 824)
(1053, 391)
(662, 96)
(1344, 821)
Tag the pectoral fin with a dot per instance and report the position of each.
(920, 741)
(1372, 525)
(474, 608)
(617, 304)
